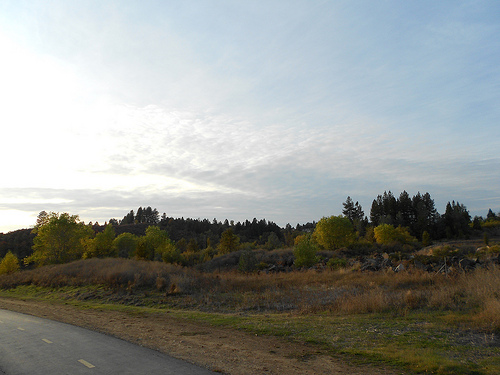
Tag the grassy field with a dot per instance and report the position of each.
(416, 321)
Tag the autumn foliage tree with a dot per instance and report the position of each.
(386, 234)
(334, 232)
(151, 245)
(229, 242)
(125, 245)
(9, 264)
(59, 238)
(102, 245)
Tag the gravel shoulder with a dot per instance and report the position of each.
(223, 350)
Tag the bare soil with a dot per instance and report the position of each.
(223, 350)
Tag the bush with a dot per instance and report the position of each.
(386, 234)
(9, 264)
(334, 232)
(337, 263)
(305, 252)
(426, 239)
(248, 261)
(125, 245)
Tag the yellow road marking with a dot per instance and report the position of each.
(21, 329)
(47, 341)
(85, 363)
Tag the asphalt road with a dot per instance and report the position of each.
(32, 346)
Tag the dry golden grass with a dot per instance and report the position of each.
(337, 292)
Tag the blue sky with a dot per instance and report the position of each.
(232, 109)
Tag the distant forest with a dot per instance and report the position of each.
(417, 214)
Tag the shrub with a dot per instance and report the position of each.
(426, 238)
(305, 252)
(334, 232)
(336, 263)
(9, 264)
(248, 260)
(386, 234)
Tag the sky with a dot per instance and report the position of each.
(275, 109)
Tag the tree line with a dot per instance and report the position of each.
(417, 213)
(144, 234)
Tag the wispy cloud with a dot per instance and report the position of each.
(277, 109)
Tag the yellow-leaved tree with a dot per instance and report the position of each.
(334, 232)
(9, 264)
(229, 242)
(59, 238)
(101, 246)
(386, 234)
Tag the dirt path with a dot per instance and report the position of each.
(223, 350)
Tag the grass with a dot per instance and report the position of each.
(419, 342)
(417, 321)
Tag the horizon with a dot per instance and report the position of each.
(222, 220)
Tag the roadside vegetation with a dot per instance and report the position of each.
(413, 320)
(408, 288)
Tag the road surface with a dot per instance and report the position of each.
(32, 346)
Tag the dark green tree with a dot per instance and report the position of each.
(128, 218)
(247, 261)
(305, 251)
(348, 210)
(377, 211)
(491, 215)
(139, 216)
(456, 220)
(273, 242)
(353, 211)
(151, 216)
(384, 209)
(404, 215)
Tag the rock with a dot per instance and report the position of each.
(400, 267)
(467, 264)
(370, 265)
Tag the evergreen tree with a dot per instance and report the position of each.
(139, 216)
(490, 215)
(456, 220)
(348, 210)
(377, 210)
(404, 215)
(151, 216)
(128, 218)
(359, 214)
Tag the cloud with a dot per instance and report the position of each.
(279, 109)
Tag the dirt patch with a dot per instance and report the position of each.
(222, 350)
